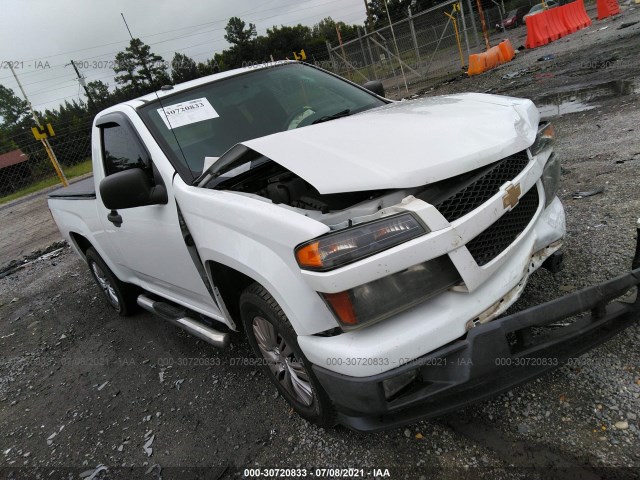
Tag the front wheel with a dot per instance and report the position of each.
(121, 296)
(273, 340)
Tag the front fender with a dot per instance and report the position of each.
(257, 238)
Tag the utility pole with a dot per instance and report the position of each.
(82, 82)
(483, 23)
(45, 141)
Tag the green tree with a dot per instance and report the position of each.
(99, 92)
(140, 69)
(237, 34)
(243, 44)
(13, 109)
(211, 66)
(398, 9)
(6, 143)
(282, 41)
(183, 68)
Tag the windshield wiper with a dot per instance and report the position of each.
(343, 113)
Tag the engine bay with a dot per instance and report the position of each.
(274, 182)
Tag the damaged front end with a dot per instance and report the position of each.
(490, 359)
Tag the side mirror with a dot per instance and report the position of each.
(375, 86)
(131, 188)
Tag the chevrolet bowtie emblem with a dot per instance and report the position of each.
(512, 196)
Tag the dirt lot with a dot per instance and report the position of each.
(81, 388)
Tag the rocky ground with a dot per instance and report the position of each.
(84, 392)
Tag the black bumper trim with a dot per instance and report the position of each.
(492, 358)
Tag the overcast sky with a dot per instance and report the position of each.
(42, 36)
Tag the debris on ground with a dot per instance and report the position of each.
(547, 57)
(91, 474)
(516, 74)
(590, 193)
(626, 25)
(148, 441)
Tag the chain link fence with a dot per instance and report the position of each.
(25, 166)
(420, 50)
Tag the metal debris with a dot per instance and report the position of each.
(179, 382)
(589, 193)
(148, 438)
(155, 466)
(103, 385)
(91, 474)
(161, 375)
(53, 435)
(626, 24)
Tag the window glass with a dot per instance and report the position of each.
(247, 106)
(121, 151)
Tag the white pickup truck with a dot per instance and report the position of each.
(368, 249)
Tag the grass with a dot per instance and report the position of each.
(70, 172)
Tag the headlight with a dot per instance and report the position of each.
(546, 137)
(387, 296)
(551, 178)
(352, 244)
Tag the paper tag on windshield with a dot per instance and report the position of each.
(186, 113)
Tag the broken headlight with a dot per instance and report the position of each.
(551, 178)
(346, 246)
(388, 296)
(545, 138)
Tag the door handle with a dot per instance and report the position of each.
(115, 218)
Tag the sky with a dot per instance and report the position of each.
(40, 37)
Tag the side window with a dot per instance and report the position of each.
(121, 150)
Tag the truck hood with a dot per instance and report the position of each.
(404, 144)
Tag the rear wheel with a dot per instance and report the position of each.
(121, 296)
(273, 340)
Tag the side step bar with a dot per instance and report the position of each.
(180, 319)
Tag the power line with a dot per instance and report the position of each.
(180, 50)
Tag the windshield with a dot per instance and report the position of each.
(207, 121)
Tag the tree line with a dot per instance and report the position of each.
(138, 70)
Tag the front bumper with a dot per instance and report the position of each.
(490, 359)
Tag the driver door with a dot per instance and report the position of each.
(148, 243)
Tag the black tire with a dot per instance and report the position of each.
(258, 306)
(121, 296)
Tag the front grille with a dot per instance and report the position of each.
(494, 240)
(483, 188)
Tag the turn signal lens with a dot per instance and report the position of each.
(352, 244)
(342, 307)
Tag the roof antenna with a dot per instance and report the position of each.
(164, 88)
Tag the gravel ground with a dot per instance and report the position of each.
(81, 388)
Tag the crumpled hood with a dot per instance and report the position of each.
(405, 144)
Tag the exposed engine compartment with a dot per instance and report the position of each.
(274, 182)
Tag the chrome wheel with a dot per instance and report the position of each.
(281, 360)
(105, 285)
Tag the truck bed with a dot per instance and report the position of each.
(82, 190)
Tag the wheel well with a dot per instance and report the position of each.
(230, 283)
(81, 242)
